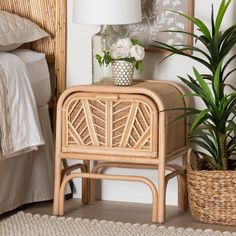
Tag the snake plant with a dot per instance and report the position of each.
(213, 128)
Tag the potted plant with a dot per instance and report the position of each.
(211, 186)
(125, 55)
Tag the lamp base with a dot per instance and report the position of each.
(102, 41)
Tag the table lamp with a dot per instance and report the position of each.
(105, 13)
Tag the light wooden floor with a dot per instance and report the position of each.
(124, 212)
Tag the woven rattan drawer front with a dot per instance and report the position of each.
(110, 124)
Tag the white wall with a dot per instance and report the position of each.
(79, 72)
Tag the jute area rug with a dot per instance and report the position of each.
(22, 224)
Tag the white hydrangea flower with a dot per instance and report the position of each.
(121, 49)
(137, 52)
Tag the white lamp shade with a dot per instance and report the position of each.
(107, 12)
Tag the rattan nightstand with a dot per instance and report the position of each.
(121, 127)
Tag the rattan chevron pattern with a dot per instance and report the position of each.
(110, 122)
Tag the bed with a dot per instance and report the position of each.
(29, 177)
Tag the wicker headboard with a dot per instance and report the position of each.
(51, 16)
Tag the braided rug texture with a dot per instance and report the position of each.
(26, 224)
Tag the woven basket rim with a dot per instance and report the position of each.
(212, 171)
(189, 165)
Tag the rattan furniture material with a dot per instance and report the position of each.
(121, 127)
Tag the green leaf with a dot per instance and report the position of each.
(217, 81)
(203, 115)
(136, 42)
(212, 21)
(99, 59)
(228, 44)
(192, 48)
(228, 62)
(184, 115)
(210, 140)
(227, 34)
(107, 58)
(228, 74)
(204, 87)
(230, 85)
(205, 146)
(179, 31)
(175, 50)
(202, 27)
(210, 160)
(221, 12)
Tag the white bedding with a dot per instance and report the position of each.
(29, 177)
(38, 73)
(19, 123)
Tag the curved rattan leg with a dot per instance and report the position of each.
(85, 184)
(144, 180)
(57, 184)
(62, 192)
(180, 173)
(92, 191)
(182, 186)
(161, 193)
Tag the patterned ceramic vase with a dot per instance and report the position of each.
(123, 72)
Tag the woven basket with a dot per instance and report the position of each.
(212, 194)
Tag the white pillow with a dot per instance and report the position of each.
(15, 30)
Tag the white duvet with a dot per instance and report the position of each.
(20, 130)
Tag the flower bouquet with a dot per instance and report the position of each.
(125, 55)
